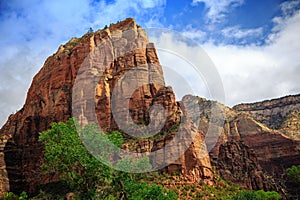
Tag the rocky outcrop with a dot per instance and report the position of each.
(244, 143)
(112, 76)
(271, 112)
(291, 125)
(238, 163)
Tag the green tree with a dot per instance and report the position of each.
(293, 174)
(9, 196)
(65, 154)
(12, 196)
(141, 191)
(256, 195)
(90, 30)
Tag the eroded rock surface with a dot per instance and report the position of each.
(247, 151)
(113, 77)
(271, 112)
(112, 73)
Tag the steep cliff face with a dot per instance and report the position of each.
(238, 163)
(113, 77)
(114, 61)
(247, 151)
(271, 112)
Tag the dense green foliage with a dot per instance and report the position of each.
(12, 196)
(257, 195)
(65, 154)
(84, 174)
(140, 191)
(293, 174)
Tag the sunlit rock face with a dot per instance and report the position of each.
(127, 80)
(281, 114)
(113, 77)
(248, 152)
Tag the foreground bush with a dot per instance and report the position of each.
(256, 195)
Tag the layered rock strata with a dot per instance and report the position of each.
(247, 152)
(112, 77)
(273, 112)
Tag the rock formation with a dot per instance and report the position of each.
(113, 78)
(80, 80)
(238, 163)
(291, 125)
(273, 112)
(248, 152)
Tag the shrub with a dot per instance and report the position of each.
(256, 195)
(140, 191)
(293, 174)
(12, 196)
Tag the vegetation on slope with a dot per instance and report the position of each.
(84, 174)
(85, 177)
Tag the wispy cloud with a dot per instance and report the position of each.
(238, 33)
(289, 7)
(252, 73)
(218, 9)
(193, 33)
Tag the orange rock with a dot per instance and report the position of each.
(116, 61)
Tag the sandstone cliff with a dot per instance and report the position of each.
(274, 113)
(238, 163)
(113, 77)
(101, 59)
(247, 152)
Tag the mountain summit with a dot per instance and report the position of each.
(120, 64)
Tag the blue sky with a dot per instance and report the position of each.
(254, 44)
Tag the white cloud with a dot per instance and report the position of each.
(238, 33)
(288, 7)
(217, 9)
(187, 68)
(194, 33)
(152, 3)
(138, 9)
(250, 72)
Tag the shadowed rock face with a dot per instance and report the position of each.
(248, 152)
(238, 163)
(102, 59)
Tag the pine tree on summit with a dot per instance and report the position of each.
(90, 30)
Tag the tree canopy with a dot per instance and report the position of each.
(66, 155)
